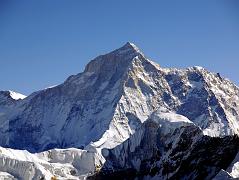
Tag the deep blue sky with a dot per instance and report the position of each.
(43, 42)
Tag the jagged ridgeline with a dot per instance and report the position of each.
(124, 117)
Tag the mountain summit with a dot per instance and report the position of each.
(126, 113)
(120, 57)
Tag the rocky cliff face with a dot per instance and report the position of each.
(139, 115)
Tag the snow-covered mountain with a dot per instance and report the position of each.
(169, 146)
(124, 114)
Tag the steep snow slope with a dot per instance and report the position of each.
(103, 106)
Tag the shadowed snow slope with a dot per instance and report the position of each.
(111, 101)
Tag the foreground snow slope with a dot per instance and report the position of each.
(62, 163)
(112, 100)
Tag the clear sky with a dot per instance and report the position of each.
(42, 42)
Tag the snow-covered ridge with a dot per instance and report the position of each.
(16, 95)
(172, 143)
(11, 94)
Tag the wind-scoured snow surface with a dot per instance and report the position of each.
(74, 129)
